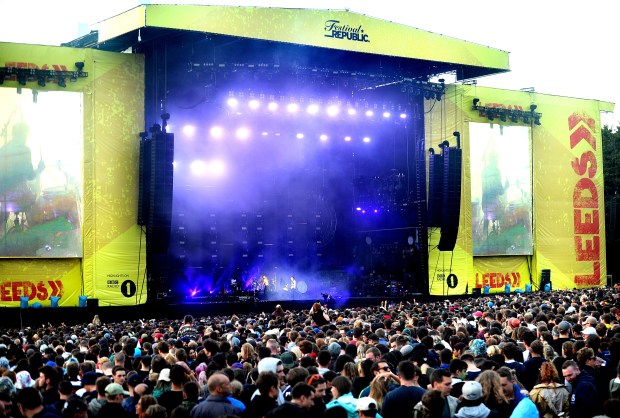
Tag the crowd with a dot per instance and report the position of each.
(546, 354)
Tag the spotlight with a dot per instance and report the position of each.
(312, 109)
(189, 130)
(80, 66)
(332, 110)
(216, 132)
(403, 116)
(502, 116)
(513, 117)
(292, 107)
(232, 102)
(299, 136)
(526, 118)
(41, 80)
(347, 138)
(533, 107)
(369, 113)
(351, 111)
(253, 104)
(62, 82)
(490, 114)
(536, 119)
(272, 106)
(323, 137)
(475, 103)
(366, 139)
(386, 115)
(21, 78)
(242, 133)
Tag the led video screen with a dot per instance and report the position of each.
(501, 189)
(40, 173)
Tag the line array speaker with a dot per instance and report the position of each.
(435, 189)
(160, 195)
(451, 200)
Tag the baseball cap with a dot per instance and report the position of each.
(589, 331)
(366, 404)
(114, 389)
(164, 374)
(478, 313)
(472, 390)
(515, 323)
(564, 326)
(288, 360)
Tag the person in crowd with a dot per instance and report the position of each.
(269, 389)
(402, 400)
(341, 392)
(143, 405)
(584, 393)
(367, 408)
(30, 404)
(216, 403)
(302, 401)
(318, 315)
(113, 408)
(520, 404)
(550, 396)
(471, 404)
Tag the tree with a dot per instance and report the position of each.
(611, 164)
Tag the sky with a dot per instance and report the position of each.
(565, 48)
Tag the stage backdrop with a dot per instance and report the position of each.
(531, 195)
(74, 232)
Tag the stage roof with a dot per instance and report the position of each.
(353, 36)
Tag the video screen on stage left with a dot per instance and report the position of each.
(501, 189)
(40, 173)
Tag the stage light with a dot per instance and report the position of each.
(376, 211)
(299, 136)
(502, 116)
(347, 138)
(216, 168)
(41, 80)
(526, 118)
(175, 164)
(253, 104)
(272, 106)
(217, 132)
(323, 137)
(62, 82)
(490, 114)
(513, 117)
(358, 209)
(386, 114)
(475, 103)
(370, 113)
(536, 120)
(366, 139)
(189, 130)
(333, 110)
(242, 133)
(403, 116)
(292, 107)
(264, 133)
(533, 107)
(351, 111)
(198, 167)
(313, 109)
(232, 102)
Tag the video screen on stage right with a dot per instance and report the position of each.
(501, 189)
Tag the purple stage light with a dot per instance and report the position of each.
(292, 107)
(403, 116)
(386, 115)
(347, 138)
(376, 210)
(323, 137)
(312, 109)
(370, 113)
(216, 167)
(299, 136)
(351, 111)
(272, 106)
(232, 102)
(366, 139)
(242, 133)
(189, 130)
(253, 104)
(217, 132)
(198, 167)
(358, 208)
(333, 110)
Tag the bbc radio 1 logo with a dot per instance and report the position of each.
(338, 30)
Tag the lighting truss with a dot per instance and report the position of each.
(514, 115)
(23, 76)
